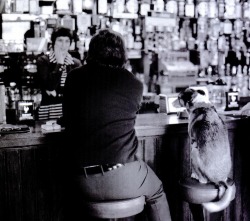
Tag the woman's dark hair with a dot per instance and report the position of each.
(61, 31)
(107, 48)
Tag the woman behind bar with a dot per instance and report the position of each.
(101, 99)
(52, 72)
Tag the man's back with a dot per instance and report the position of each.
(106, 103)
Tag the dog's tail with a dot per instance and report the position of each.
(226, 195)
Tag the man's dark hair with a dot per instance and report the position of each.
(61, 31)
(107, 48)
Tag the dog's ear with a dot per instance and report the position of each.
(188, 90)
(194, 94)
(201, 92)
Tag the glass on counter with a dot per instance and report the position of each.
(218, 94)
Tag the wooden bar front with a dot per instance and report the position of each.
(30, 164)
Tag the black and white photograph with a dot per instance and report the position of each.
(124, 110)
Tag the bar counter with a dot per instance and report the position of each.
(29, 164)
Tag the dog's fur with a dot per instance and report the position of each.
(210, 149)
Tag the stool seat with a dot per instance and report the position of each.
(195, 192)
(115, 209)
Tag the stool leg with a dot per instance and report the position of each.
(214, 216)
(197, 212)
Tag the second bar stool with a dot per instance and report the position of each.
(197, 193)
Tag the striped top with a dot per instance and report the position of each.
(49, 112)
(52, 79)
(52, 59)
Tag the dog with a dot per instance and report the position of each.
(210, 149)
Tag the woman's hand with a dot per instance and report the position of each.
(59, 54)
(69, 59)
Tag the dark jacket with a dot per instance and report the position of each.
(100, 106)
(49, 76)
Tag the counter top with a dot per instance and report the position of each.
(146, 125)
(159, 124)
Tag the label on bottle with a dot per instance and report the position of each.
(228, 27)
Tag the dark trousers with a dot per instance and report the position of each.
(129, 181)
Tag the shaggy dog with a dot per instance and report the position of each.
(210, 149)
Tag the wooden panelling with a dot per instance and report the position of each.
(14, 185)
(3, 184)
(29, 184)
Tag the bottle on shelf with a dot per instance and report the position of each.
(189, 9)
(238, 9)
(221, 8)
(181, 8)
(212, 9)
(246, 10)
(171, 7)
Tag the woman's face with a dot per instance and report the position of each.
(62, 43)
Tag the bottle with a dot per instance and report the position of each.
(229, 9)
(132, 6)
(138, 42)
(34, 7)
(181, 8)
(202, 8)
(189, 8)
(212, 9)
(2, 104)
(144, 8)
(221, 8)
(245, 9)
(238, 9)
(77, 6)
(171, 7)
(159, 5)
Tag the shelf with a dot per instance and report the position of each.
(25, 17)
(125, 15)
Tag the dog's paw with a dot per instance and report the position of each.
(194, 175)
(203, 180)
(193, 144)
(199, 178)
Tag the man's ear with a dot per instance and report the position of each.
(201, 92)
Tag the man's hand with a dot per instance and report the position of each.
(52, 93)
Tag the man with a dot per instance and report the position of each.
(101, 99)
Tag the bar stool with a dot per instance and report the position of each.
(196, 194)
(114, 210)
